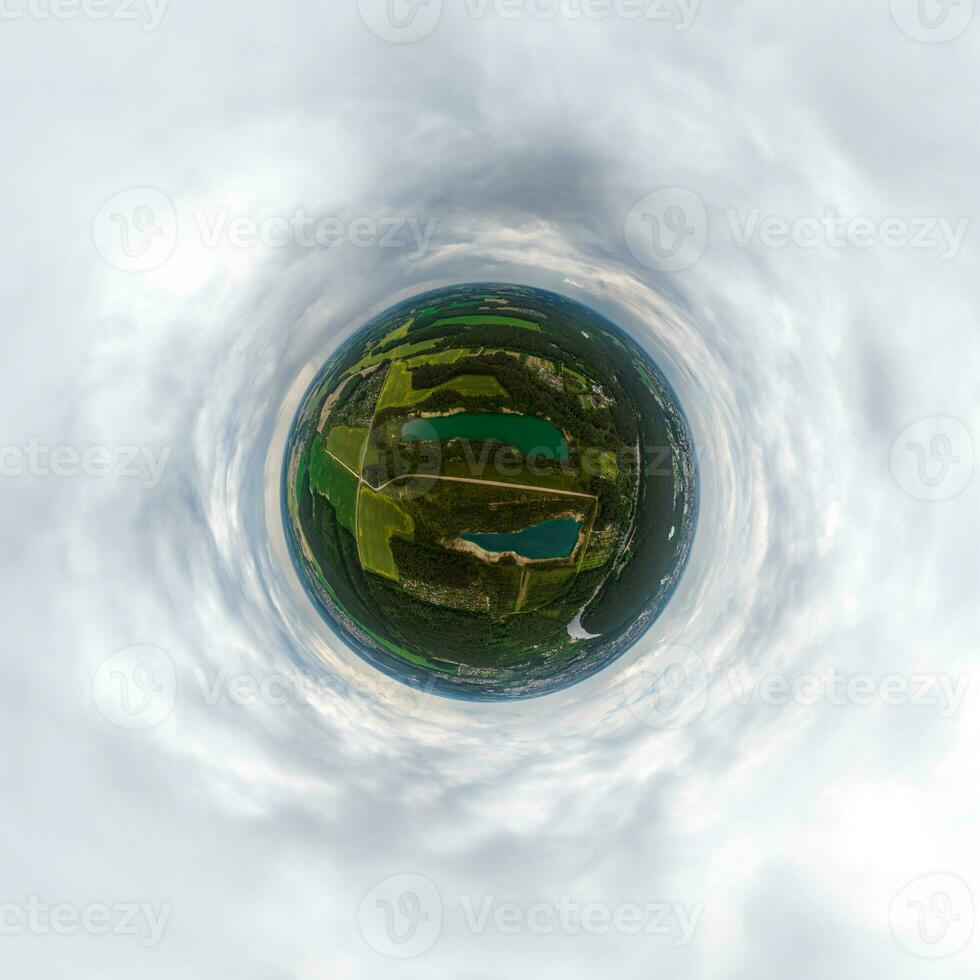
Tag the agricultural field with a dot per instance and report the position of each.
(331, 480)
(450, 356)
(399, 333)
(404, 350)
(400, 393)
(346, 444)
(487, 319)
(378, 520)
(575, 382)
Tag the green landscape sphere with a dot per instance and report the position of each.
(490, 491)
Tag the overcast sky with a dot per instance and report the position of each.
(201, 201)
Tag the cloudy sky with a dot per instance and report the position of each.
(201, 201)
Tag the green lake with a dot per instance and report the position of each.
(552, 539)
(532, 436)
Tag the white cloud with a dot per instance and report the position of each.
(529, 142)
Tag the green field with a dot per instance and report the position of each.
(399, 392)
(600, 462)
(468, 385)
(575, 382)
(399, 333)
(302, 469)
(601, 547)
(645, 374)
(487, 319)
(331, 480)
(482, 467)
(404, 350)
(545, 585)
(539, 363)
(378, 519)
(442, 357)
(347, 444)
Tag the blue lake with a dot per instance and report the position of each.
(532, 436)
(552, 539)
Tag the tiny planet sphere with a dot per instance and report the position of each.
(490, 492)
